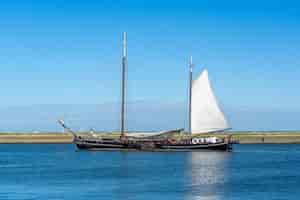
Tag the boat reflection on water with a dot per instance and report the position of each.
(206, 175)
(151, 175)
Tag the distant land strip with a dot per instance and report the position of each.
(240, 137)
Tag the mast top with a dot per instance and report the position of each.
(124, 45)
(191, 63)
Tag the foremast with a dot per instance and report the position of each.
(123, 86)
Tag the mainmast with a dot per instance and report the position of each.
(190, 93)
(123, 84)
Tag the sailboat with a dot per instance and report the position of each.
(205, 116)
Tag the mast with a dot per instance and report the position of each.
(190, 94)
(123, 84)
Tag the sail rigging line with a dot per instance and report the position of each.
(62, 123)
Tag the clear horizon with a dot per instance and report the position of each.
(62, 59)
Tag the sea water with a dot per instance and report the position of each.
(59, 171)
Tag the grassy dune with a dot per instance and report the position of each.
(241, 137)
(10, 138)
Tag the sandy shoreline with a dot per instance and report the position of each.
(241, 137)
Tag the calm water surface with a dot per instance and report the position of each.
(60, 172)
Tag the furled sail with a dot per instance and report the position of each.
(206, 115)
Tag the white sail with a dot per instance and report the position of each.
(206, 115)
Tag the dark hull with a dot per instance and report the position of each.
(119, 146)
(218, 146)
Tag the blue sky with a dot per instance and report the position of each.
(62, 59)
